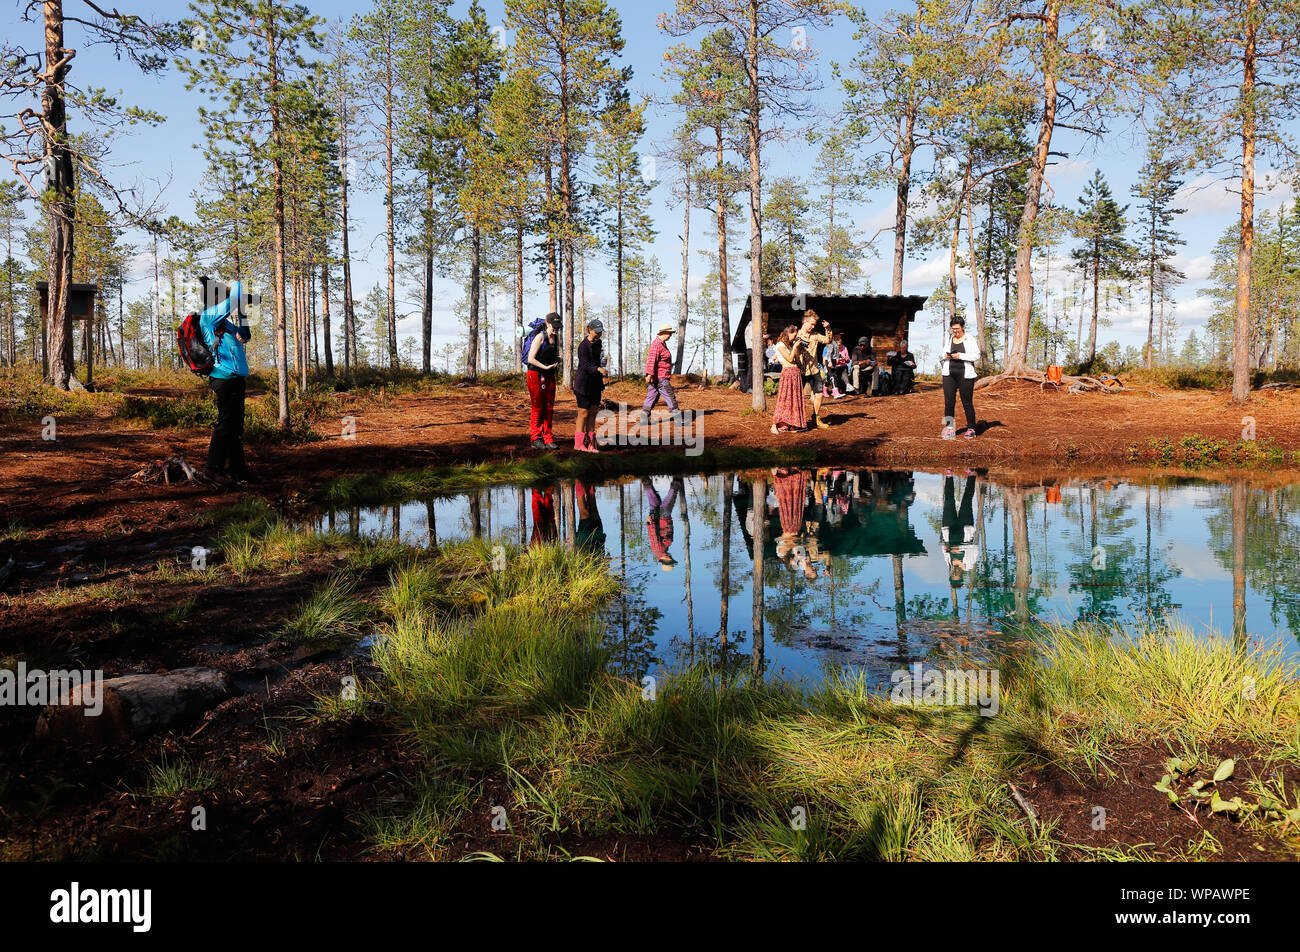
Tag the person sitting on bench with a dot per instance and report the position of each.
(863, 363)
(902, 368)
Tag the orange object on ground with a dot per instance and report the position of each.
(1054, 373)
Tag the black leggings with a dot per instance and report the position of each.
(966, 385)
(227, 446)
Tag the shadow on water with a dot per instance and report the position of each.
(788, 572)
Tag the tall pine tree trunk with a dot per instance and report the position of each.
(1246, 240)
(906, 146)
(1017, 358)
(392, 227)
(686, 268)
(519, 278)
(60, 189)
(1096, 292)
(277, 227)
(724, 306)
(426, 305)
(756, 326)
(552, 272)
(325, 317)
(475, 277)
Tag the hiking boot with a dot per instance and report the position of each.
(537, 444)
(550, 446)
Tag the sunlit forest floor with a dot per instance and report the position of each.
(522, 715)
(394, 422)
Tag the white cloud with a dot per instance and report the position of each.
(927, 275)
(1207, 195)
(1197, 269)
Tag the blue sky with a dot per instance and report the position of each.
(166, 153)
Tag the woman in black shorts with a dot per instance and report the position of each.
(588, 384)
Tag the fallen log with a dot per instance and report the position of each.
(132, 706)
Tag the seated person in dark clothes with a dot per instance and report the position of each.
(902, 368)
(862, 364)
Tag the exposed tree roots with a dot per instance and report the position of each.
(172, 470)
(1071, 384)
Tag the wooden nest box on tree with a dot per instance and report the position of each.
(81, 307)
(881, 318)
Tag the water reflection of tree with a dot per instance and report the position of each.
(1255, 534)
(632, 622)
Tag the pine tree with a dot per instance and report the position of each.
(776, 79)
(252, 65)
(1105, 253)
(54, 165)
(1083, 57)
(624, 193)
(376, 38)
(12, 219)
(786, 211)
(842, 183)
(567, 48)
(711, 81)
(1234, 93)
(461, 98)
(1157, 185)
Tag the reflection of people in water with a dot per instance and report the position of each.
(659, 522)
(544, 516)
(796, 546)
(591, 531)
(960, 550)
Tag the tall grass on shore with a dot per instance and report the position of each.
(513, 705)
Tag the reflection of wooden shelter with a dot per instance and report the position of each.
(81, 306)
(881, 318)
(876, 523)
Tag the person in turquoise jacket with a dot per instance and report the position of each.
(225, 333)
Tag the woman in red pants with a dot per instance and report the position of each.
(543, 358)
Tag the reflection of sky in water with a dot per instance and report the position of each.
(1111, 552)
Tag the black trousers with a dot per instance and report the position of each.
(227, 446)
(955, 520)
(903, 377)
(966, 386)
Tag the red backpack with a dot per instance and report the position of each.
(194, 352)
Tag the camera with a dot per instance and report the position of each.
(214, 292)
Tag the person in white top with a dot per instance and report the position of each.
(960, 355)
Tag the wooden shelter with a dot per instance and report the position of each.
(881, 318)
(81, 305)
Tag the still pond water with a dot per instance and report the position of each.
(875, 570)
